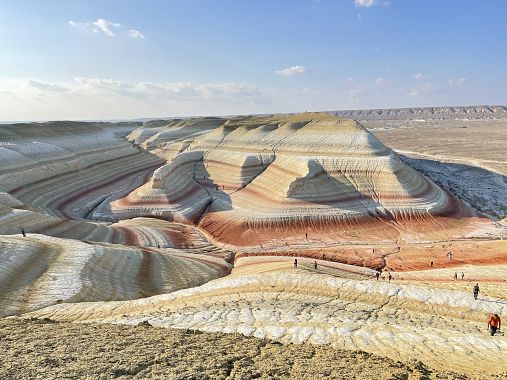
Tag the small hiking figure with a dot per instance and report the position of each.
(494, 323)
(315, 264)
(158, 245)
(390, 276)
(306, 235)
(462, 275)
(373, 251)
(377, 275)
(455, 275)
(23, 232)
(295, 263)
(431, 264)
(476, 291)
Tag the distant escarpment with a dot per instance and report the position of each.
(452, 112)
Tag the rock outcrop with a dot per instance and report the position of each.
(253, 181)
(38, 271)
(452, 112)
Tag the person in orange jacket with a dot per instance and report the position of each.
(494, 323)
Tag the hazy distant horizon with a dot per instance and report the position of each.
(143, 119)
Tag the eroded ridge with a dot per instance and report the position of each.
(68, 169)
(263, 180)
(39, 271)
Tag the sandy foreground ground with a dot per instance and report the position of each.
(40, 349)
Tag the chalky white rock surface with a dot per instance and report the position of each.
(37, 271)
(398, 320)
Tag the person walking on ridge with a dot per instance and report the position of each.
(390, 276)
(494, 323)
(315, 264)
(462, 275)
(377, 274)
(295, 263)
(23, 232)
(455, 275)
(476, 291)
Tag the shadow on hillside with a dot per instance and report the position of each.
(319, 187)
(484, 190)
(220, 199)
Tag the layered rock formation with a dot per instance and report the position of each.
(37, 271)
(118, 212)
(441, 326)
(55, 180)
(67, 169)
(453, 112)
(270, 179)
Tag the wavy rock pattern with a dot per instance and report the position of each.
(138, 232)
(114, 213)
(68, 170)
(38, 271)
(262, 180)
(293, 306)
(54, 178)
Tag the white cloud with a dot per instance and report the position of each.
(107, 28)
(196, 90)
(364, 3)
(380, 81)
(418, 76)
(132, 33)
(43, 86)
(294, 70)
(370, 3)
(84, 25)
(456, 81)
(182, 90)
(99, 98)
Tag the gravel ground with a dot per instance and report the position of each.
(42, 349)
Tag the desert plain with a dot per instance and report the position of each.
(251, 244)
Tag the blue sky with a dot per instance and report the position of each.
(125, 59)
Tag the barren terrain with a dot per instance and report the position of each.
(269, 228)
(465, 156)
(41, 349)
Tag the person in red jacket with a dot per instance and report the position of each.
(494, 323)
